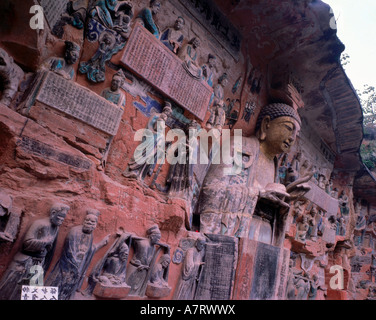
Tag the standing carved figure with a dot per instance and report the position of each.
(152, 149)
(208, 70)
(38, 247)
(218, 115)
(191, 270)
(302, 229)
(78, 251)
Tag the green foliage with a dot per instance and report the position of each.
(368, 154)
(368, 100)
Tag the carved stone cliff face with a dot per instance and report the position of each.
(67, 136)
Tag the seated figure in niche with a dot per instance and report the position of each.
(189, 54)
(64, 66)
(114, 93)
(146, 17)
(248, 203)
(172, 37)
(110, 271)
(158, 282)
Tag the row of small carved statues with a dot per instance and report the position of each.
(112, 277)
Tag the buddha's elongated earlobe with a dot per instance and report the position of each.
(264, 127)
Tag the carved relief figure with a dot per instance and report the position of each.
(38, 247)
(189, 54)
(293, 170)
(75, 15)
(312, 221)
(64, 66)
(9, 218)
(343, 204)
(110, 271)
(10, 77)
(172, 37)
(302, 229)
(218, 114)
(314, 286)
(341, 227)
(142, 263)
(360, 225)
(78, 251)
(146, 17)
(95, 68)
(192, 265)
(114, 92)
(158, 281)
(114, 15)
(147, 154)
(104, 10)
(322, 181)
(228, 201)
(208, 69)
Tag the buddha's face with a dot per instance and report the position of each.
(280, 134)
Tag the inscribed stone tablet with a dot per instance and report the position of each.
(80, 103)
(52, 10)
(152, 61)
(217, 276)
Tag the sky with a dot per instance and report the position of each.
(356, 28)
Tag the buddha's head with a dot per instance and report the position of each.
(277, 128)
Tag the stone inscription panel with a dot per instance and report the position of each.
(217, 277)
(152, 61)
(80, 103)
(265, 272)
(53, 10)
(48, 152)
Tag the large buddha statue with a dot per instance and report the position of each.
(250, 203)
